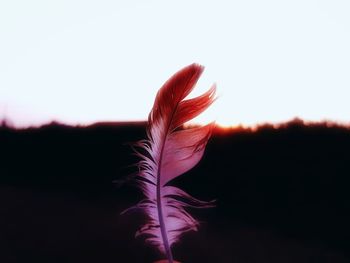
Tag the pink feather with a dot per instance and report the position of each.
(168, 152)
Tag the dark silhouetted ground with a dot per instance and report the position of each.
(283, 196)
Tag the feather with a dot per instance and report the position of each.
(168, 152)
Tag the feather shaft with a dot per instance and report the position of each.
(167, 249)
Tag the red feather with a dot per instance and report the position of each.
(170, 152)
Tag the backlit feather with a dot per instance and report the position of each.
(168, 152)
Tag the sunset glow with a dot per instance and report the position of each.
(80, 62)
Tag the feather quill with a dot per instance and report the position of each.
(168, 152)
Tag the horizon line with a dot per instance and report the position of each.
(6, 123)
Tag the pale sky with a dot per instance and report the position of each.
(79, 62)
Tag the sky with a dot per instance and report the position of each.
(80, 62)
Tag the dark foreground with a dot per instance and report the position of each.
(283, 196)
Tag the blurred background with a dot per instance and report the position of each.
(79, 62)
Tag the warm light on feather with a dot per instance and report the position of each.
(169, 152)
